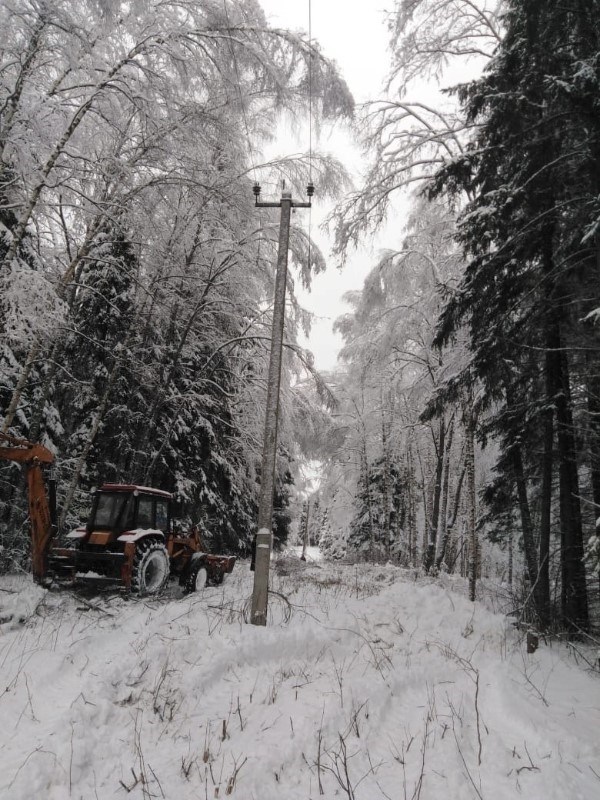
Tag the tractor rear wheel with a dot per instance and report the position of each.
(151, 568)
(197, 578)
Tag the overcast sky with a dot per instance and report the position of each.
(352, 32)
(354, 35)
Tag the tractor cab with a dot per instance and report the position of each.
(124, 508)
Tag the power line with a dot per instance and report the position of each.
(239, 89)
(310, 110)
(310, 61)
(246, 126)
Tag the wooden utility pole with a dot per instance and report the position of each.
(269, 457)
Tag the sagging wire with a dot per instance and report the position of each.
(246, 126)
(310, 110)
(310, 126)
(239, 89)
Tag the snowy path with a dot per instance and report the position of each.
(369, 686)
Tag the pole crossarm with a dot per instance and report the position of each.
(294, 204)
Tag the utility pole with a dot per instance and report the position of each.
(269, 457)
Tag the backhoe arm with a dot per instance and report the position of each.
(14, 449)
(33, 456)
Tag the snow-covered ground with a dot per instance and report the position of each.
(368, 683)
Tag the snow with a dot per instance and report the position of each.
(369, 682)
(312, 554)
(138, 533)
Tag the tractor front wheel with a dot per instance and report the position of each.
(197, 578)
(151, 568)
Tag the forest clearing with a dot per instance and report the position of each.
(369, 682)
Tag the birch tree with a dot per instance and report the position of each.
(399, 455)
(412, 130)
(148, 118)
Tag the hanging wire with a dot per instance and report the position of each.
(310, 61)
(310, 112)
(239, 89)
(247, 127)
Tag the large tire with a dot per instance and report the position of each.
(151, 568)
(197, 578)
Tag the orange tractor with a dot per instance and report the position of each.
(129, 536)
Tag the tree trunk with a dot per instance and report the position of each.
(543, 588)
(443, 538)
(426, 489)
(387, 505)
(410, 501)
(593, 406)
(450, 529)
(429, 555)
(529, 546)
(12, 102)
(34, 352)
(574, 591)
(367, 480)
(471, 497)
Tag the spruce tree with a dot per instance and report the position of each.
(533, 178)
(94, 384)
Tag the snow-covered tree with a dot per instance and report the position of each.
(139, 348)
(401, 460)
(409, 132)
(529, 232)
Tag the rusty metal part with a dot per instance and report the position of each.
(99, 537)
(24, 452)
(127, 567)
(33, 455)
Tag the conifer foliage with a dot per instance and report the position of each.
(530, 233)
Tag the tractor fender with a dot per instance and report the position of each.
(140, 533)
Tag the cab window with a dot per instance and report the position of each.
(144, 516)
(105, 511)
(162, 515)
(112, 510)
